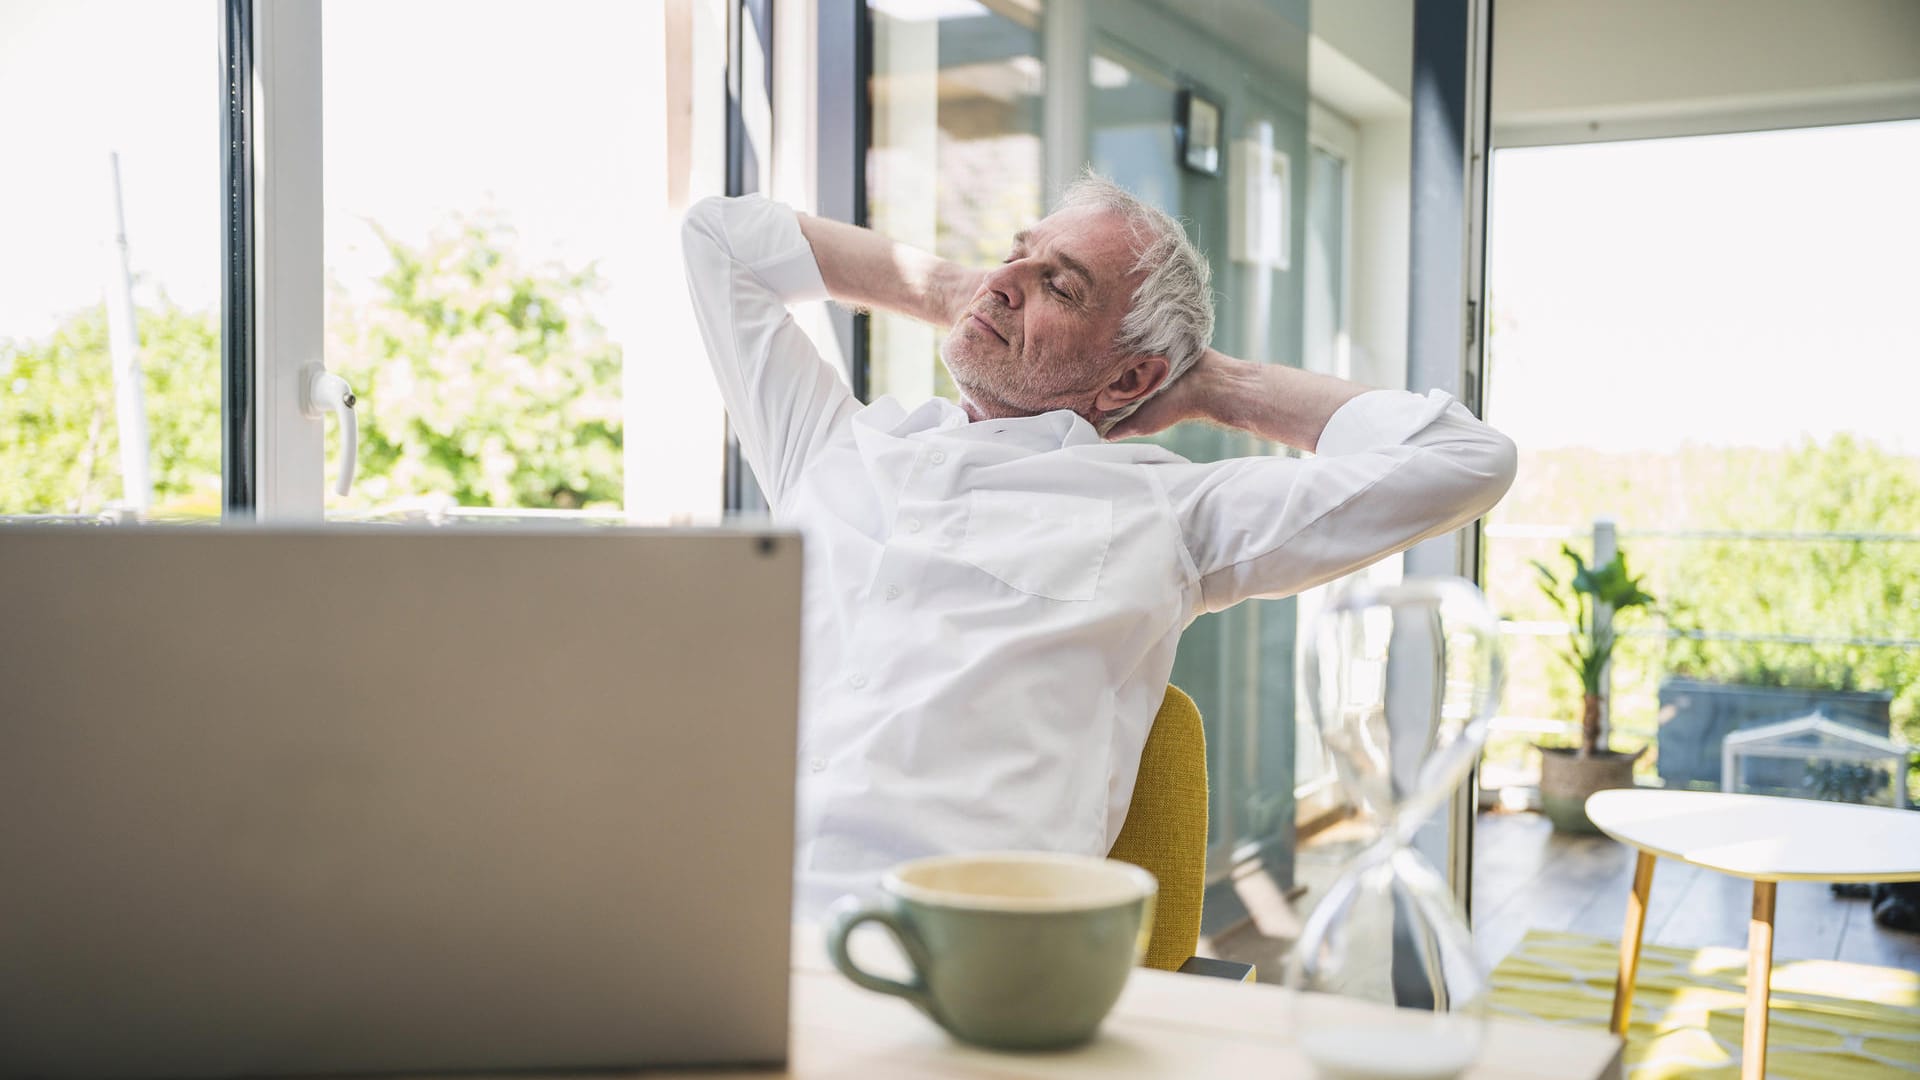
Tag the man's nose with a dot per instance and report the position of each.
(1005, 282)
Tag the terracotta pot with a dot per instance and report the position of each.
(1566, 779)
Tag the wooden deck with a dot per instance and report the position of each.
(1526, 876)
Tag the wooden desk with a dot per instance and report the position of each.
(1166, 1025)
(1766, 839)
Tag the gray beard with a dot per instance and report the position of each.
(1004, 393)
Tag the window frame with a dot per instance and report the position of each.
(275, 467)
(288, 274)
(237, 346)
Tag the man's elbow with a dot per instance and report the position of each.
(703, 228)
(1496, 462)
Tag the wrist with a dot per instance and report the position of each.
(1226, 387)
(954, 286)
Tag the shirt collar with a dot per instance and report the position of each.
(1048, 431)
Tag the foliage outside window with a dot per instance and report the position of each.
(483, 380)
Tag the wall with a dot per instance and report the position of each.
(1377, 35)
(1362, 69)
(1589, 70)
(1382, 191)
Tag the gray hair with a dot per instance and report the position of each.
(1171, 312)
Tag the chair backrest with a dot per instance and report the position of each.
(1165, 832)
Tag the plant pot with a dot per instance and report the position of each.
(1566, 779)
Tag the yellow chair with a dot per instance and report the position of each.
(1165, 833)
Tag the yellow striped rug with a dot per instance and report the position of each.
(1830, 1021)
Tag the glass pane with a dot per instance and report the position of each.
(110, 240)
(1203, 109)
(1325, 351)
(1326, 248)
(1779, 537)
(955, 162)
(503, 194)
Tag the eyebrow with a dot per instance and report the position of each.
(1072, 264)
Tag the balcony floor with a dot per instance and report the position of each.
(1527, 877)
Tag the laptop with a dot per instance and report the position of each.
(394, 800)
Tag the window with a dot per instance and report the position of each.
(503, 282)
(955, 162)
(110, 243)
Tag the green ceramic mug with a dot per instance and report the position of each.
(1011, 950)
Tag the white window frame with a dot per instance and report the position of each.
(288, 291)
(1321, 797)
(289, 284)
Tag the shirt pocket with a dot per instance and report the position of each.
(1044, 545)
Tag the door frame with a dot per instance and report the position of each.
(1451, 113)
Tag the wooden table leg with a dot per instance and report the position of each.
(1630, 944)
(1753, 1046)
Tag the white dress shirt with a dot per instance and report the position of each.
(991, 609)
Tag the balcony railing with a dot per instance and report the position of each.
(1605, 536)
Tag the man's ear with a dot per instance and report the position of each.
(1140, 377)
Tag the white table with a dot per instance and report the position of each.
(1766, 839)
(1166, 1025)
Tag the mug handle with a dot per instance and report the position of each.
(849, 914)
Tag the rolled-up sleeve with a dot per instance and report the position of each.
(1393, 469)
(747, 261)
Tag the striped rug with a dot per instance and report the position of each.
(1830, 1021)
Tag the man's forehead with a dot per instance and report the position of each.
(1076, 225)
(1093, 238)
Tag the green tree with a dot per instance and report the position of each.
(60, 440)
(1866, 588)
(480, 377)
(1826, 589)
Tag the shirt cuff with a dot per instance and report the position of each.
(767, 237)
(1380, 418)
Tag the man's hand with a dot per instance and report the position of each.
(961, 284)
(1273, 401)
(1190, 397)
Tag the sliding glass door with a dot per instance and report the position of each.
(1282, 133)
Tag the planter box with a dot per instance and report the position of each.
(1695, 717)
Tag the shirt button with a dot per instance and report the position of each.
(858, 681)
(913, 524)
(893, 592)
(939, 457)
(818, 764)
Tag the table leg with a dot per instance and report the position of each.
(1753, 1047)
(1630, 944)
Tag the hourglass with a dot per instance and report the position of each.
(1403, 680)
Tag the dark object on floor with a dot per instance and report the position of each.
(1896, 906)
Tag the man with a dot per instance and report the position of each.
(994, 593)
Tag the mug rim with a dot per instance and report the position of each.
(1131, 884)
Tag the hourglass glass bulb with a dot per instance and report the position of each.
(1403, 680)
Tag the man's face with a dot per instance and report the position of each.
(1039, 335)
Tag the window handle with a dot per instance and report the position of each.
(326, 392)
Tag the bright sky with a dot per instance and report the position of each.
(69, 92)
(1728, 290)
(426, 114)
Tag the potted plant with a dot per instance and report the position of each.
(1569, 774)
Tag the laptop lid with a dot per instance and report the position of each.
(384, 799)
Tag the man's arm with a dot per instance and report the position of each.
(1391, 469)
(1276, 402)
(746, 262)
(864, 269)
